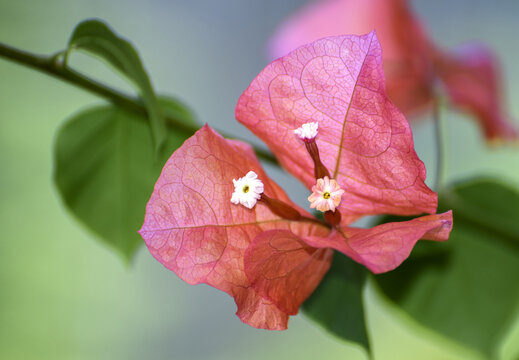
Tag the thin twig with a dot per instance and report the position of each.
(439, 137)
(54, 67)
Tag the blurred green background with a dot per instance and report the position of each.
(64, 295)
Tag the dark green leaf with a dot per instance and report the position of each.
(487, 203)
(466, 288)
(337, 304)
(105, 170)
(98, 39)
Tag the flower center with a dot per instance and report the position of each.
(326, 195)
(246, 189)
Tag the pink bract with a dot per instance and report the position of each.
(472, 81)
(364, 140)
(192, 228)
(268, 264)
(411, 60)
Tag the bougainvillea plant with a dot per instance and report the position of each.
(215, 217)
(413, 64)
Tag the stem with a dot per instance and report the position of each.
(320, 171)
(286, 211)
(441, 161)
(54, 67)
(314, 220)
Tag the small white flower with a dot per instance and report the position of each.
(247, 190)
(326, 195)
(307, 131)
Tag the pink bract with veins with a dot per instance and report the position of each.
(364, 140)
(411, 61)
(267, 263)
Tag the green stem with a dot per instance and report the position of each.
(54, 67)
(441, 161)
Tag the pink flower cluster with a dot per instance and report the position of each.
(215, 217)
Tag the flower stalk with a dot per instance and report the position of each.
(320, 171)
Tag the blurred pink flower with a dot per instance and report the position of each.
(411, 61)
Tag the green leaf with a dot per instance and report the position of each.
(105, 170)
(466, 288)
(487, 203)
(337, 303)
(98, 39)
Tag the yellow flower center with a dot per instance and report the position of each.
(246, 189)
(326, 195)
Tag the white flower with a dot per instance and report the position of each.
(326, 195)
(247, 190)
(307, 131)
